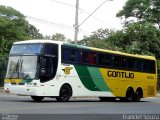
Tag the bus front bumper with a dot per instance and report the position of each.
(22, 90)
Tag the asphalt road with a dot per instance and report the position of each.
(87, 108)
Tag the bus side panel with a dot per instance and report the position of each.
(119, 81)
(89, 80)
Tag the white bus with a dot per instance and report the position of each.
(46, 68)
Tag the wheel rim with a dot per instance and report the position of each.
(138, 96)
(130, 98)
(64, 94)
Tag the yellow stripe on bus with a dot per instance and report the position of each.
(13, 80)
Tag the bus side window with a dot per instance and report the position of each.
(116, 61)
(108, 60)
(84, 57)
(151, 65)
(123, 62)
(74, 55)
(144, 66)
(101, 59)
(65, 54)
(139, 65)
(92, 58)
(131, 63)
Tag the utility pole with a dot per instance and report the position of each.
(76, 26)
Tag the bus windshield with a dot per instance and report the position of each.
(22, 67)
(33, 61)
(26, 49)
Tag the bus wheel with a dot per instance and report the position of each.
(37, 98)
(130, 94)
(65, 94)
(138, 95)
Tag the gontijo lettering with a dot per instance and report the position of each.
(119, 74)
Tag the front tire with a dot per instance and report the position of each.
(37, 98)
(65, 94)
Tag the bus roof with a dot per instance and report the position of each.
(38, 41)
(86, 47)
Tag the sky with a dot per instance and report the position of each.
(58, 16)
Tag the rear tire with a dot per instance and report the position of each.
(138, 95)
(130, 94)
(65, 94)
(37, 98)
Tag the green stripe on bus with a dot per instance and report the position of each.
(98, 79)
(86, 78)
(27, 80)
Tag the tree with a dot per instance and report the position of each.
(47, 37)
(58, 37)
(13, 27)
(101, 34)
(137, 38)
(141, 10)
(34, 33)
(96, 39)
(93, 42)
(116, 40)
